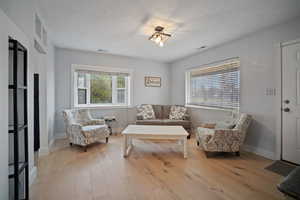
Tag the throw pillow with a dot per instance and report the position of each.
(146, 111)
(177, 112)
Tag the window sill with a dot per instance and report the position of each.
(93, 106)
(209, 108)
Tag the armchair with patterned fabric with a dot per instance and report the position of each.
(229, 139)
(82, 129)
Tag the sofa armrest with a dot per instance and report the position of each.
(75, 128)
(139, 117)
(187, 117)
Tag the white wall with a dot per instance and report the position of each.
(8, 28)
(64, 58)
(260, 69)
(50, 93)
(22, 13)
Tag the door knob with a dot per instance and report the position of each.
(286, 110)
(287, 101)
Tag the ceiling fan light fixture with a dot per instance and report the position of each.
(161, 44)
(159, 37)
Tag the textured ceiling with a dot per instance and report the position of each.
(122, 27)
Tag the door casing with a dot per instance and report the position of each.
(279, 126)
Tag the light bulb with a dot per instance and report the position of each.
(158, 39)
(161, 44)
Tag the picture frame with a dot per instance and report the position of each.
(152, 81)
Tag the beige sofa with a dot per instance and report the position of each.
(162, 118)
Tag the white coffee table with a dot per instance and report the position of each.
(154, 132)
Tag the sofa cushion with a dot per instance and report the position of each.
(177, 112)
(165, 111)
(145, 111)
(158, 111)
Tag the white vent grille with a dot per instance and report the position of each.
(38, 26)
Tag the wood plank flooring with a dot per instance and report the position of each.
(153, 171)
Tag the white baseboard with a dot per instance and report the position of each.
(46, 150)
(43, 151)
(259, 151)
(57, 136)
(32, 175)
(51, 143)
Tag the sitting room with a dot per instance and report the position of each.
(168, 99)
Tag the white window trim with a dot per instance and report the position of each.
(73, 88)
(187, 85)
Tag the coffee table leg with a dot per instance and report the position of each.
(185, 147)
(130, 141)
(125, 146)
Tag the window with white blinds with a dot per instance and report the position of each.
(216, 86)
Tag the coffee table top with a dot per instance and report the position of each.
(154, 130)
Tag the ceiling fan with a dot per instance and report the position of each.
(159, 37)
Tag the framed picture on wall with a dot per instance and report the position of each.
(151, 81)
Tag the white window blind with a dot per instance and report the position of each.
(215, 86)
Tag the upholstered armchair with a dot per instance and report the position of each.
(227, 139)
(82, 129)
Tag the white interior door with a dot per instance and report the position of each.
(291, 103)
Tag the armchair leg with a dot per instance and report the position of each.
(106, 140)
(208, 154)
(71, 143)
(198, 143)
(85, 148)
(237, 153)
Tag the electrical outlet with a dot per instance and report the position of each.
(270, 91)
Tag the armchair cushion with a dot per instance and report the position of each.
(204, 134)
(177, 112)
(94, 122)
(88, 131)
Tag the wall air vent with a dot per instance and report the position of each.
(45, 37)
(202, 47)
(41, 36)
(38, 47)
(101, 50)
(38, 26)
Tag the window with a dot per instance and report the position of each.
(97, 86)
(214, 86)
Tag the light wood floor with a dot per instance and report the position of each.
(153, 171)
